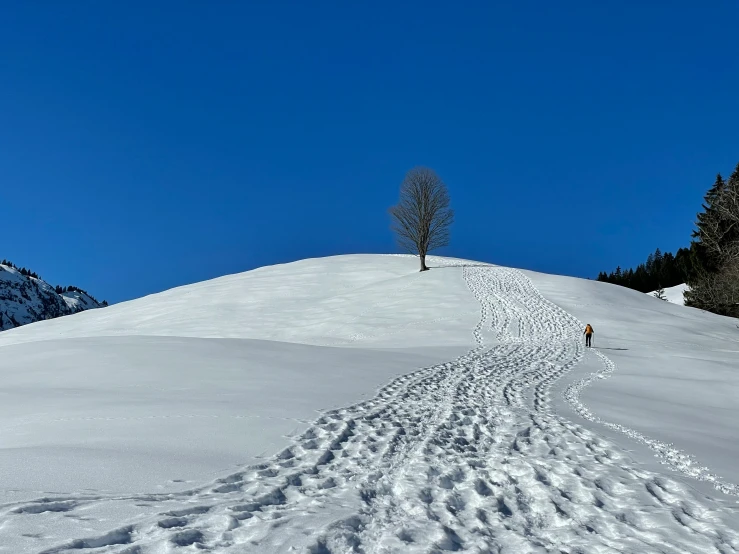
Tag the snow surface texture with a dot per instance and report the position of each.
(674, 376)
(480, 453)
(26, 300)
(674, 294)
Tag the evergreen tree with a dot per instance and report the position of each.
(731, 207)
(715, 286)
(658, 258)
(650, 264)
(710, 266)
(659, 270)
(708, 225)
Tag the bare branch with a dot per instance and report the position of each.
(716, 288)
(717, 292)
(422, 217)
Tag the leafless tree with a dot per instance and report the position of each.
(723, 225)
(718, 291)
(728, 208)
(422, 217)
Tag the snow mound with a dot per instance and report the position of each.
(674, 294)
(319, 302)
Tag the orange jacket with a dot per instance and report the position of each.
(589, 330)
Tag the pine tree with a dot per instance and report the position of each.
(658, 259)
(660, 293)
(707, 224)
(628, 278)
(731, 207)
(715, 284)
(665, 269)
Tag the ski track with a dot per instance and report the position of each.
(463, 456)
(676, 459)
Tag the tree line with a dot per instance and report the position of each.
(58, 289)
(22, 270)
(659, 271)
(710, 265)
(71, 288)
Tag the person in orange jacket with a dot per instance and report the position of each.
(588, 335)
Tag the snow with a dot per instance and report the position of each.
(354, 404)
(674, 294)
(675, 376)
(79, 300)
(138, 412)
(352, 299)
(25, 299)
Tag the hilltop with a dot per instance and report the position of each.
(353, 403)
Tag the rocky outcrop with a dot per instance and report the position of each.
(25, 298)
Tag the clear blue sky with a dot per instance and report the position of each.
(145, 145)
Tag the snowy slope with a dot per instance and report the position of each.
(674, 294)
(283, 410)
(79, 301)
(306, 302)
(25, 299)
(675, 374)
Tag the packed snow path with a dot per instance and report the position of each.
(463, 456)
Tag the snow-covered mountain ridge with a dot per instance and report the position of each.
(27, 299)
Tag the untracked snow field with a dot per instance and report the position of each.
(352, 404)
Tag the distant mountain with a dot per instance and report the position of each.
(26, 298)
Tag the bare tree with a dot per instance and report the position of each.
(721, 227)
(422, 217)
(718, 291)
(728, 210)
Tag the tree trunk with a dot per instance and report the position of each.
(424, 267)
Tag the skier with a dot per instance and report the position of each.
(588, 335)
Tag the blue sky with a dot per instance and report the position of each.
(145, 145)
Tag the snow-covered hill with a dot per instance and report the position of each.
(674, 294)
(25, 299)
(352, 404)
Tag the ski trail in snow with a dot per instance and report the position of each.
(667, 453)
(463, 456)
